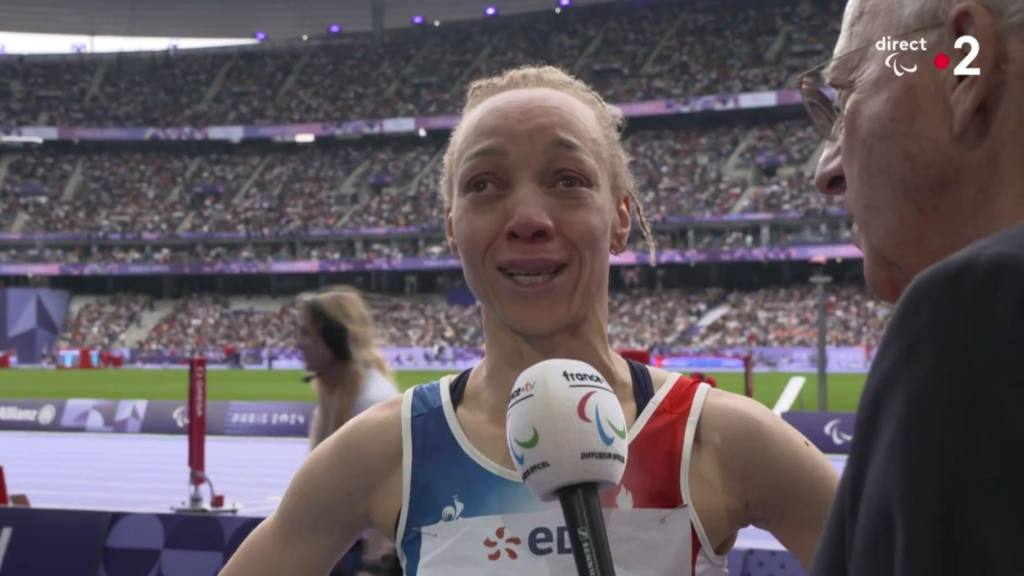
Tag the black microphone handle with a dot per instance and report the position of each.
(584, 520)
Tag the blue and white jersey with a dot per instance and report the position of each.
(465, 515)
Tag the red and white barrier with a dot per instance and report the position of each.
(197, 444)
(197, 420)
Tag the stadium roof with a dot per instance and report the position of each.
(280, 19)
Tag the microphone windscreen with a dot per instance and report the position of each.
(565, 427)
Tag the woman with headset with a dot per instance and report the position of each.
(349, 375)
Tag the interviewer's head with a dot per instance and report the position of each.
(929, 162)
(343, 306)
(342, 363)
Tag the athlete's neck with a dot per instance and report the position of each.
(508, 354)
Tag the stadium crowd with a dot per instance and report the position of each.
(102, 322)
(639, 318)
(371, 183)
(788, 317)
(630, 52)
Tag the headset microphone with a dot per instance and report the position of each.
(567, 435)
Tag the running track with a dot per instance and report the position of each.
(147, 473)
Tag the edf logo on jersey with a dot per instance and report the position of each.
(541, 541)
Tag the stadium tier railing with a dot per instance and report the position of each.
(341, 233)
(841, 359)
(392, 126)
(799, 253)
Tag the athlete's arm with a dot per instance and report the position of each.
(331, 500)
(777, 480)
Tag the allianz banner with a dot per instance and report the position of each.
(831, 432)
(156, 417)
(31, 414)
(35, 542)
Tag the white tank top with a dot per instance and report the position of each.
(376, 389)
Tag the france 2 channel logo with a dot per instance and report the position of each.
(896, 47)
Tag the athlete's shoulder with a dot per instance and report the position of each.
(674, 393)
(428, 397)
(661, 378)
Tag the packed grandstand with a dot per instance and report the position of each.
(663, 319)
(729, 174)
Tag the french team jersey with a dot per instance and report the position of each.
(464, 515)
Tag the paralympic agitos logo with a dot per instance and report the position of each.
(608, 439)
(531, 443)
(518, 395)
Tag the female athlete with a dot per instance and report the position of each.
(537, 193)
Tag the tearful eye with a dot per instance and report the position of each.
(478, 186)
(570, 182)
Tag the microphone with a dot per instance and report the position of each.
(567, 435)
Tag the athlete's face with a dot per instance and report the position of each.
(533, 217)
(315, 352)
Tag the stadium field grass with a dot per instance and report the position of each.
(267, 385)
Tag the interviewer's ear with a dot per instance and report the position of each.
(449, 231)
(971, 96)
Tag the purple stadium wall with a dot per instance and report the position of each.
(31, 320)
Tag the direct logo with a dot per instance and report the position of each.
(608, 439)
(502, 542)
(887, 44)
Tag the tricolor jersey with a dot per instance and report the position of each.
(463, 514)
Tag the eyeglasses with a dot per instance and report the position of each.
(821, 102)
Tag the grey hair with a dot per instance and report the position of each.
(1009, 13)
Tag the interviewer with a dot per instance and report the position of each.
(349, 375)
(932, 168)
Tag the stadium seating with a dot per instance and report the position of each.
(101, 323)
(372, 183)
(783, 317)
(639, 318)
(628, 52)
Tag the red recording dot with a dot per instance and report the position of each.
(941, 61)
